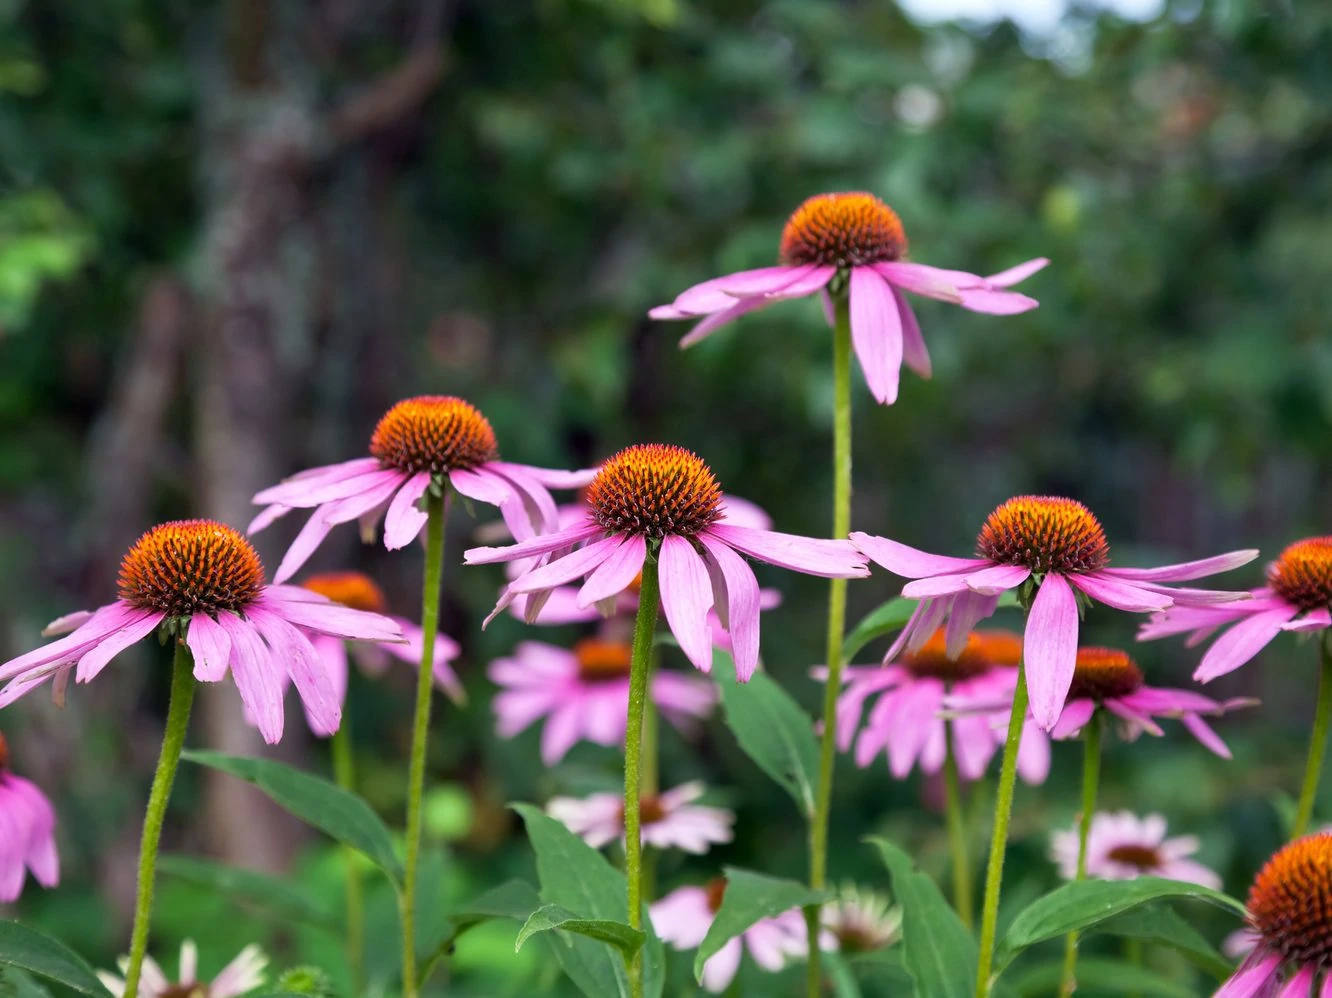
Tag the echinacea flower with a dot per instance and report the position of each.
(584, 694)
(202, 583)
(1056, 550)
(1107, 678)
(1297, 597)
(860, 921)
(683, 917)
(27, 833)
(420, 444)
(913, 690)
(1122, 846)
(359, 592)
(241, 976)
(670, 820)
(661, 501)
(852, 244)
(1288, 916)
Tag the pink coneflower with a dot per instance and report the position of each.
(671, 820)
(853, 243)
(241, 976)
(663, 501)
(359, 592)
(419, 444)
(1107, 678)
(1288, 917)
(202, 583)
(915, 688)
(858, 921)
(683, 917)
(584, 694)
(1296, 598)
(1056, 550)
(27, 833)
(1122, 846)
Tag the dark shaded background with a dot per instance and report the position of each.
(233, 233)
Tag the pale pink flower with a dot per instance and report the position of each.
(201, 582)
(683, 917)
(669, 820)
(1122, 846)
(420, 444)
(1296, 598)
(853, 244)
(241, 976)
(27, 833)
(858, 921)
(584, 694)
(1055, 551)
(654, 500)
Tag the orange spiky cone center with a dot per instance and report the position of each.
(191, 566)
(1290, 904)
(1103, 674)
(1303, 573)
(655, 490)
(434, 434)
(931, 660)
(842, 230)
(1140, 856)
(998, 647)
(1044, 534)
(351, 589)
(601, 661)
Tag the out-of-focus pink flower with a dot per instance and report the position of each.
(669, 820)
(27, 833)
(1122, 846)
(241, 976)
(859, 921)
(853, 244)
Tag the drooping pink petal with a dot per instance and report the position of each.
(827, 558)
(1187, 570)
(1050, 648)
(916, 719)
(876, 333)
(1014, 275)
(996, 302)
(564, 570)
(1240, 643)
(562, 731)
(914, 353)
(537, 502)
(1135, 723)
(308, 483)
(292, 648)
(551, 478)
(211, 648)
(404, 520)
(1202, 731)
(267, 517)
(534, 546)
(715, 294)
(306, 543)
(939, 585)
(104, 621)
(67, 623)
(1314, 620)
(909, 562)
(921, 279)
(998, 579)
(326, 617)
(686, 598)
(258, 678)
(718, 319)
(922, 623)
(969, 609)
(1120, 595)
(1074, 718)
(615, 574)
(1033, 763)
(304, 495)
(1301, 984)
(131, 632)
(483, 488)
(736, 596)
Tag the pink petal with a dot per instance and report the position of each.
(104, 621)
(1314, 620)
(910, 563)
(914, 353)
(830, 559)
(304, 495)
(876, 332)
(921, 279)
(306, 543)
(404, 520)
(764, 281)
(1240, 643)
(969, 609)
(533, 546)
(1187, 570)
(1013, 275)
(1301, 985)
(736, 596)
(326, 617)
(708, 297)
(718, 319)
(211, 648)
(1120, 595)
(483, 488)
(67, 623)
(996, 302)
(1202, 731)
(1033, 763)
(322, 703)
(1136, 723)
(257, 677)
(939, 585)
(131, 632)
(616, 573)
(1074, 718)
(561, 732)
(563, 570)
(1050, 648)
(530, 485)
(996, 580)
(686, 598)
(307, 482)
(916, 718)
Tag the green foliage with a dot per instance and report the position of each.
(1098, 974)
(553, 918)
(270, 896)
(29, 950)
(749, 898)
(1162, 925)
(883, 619)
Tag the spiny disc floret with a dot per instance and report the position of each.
(351, 589)
(1142, 856)
(191, 566)
(601, 661)
(655, 490)
(1103, 674)
(843, 230)
(435, 434)
(931, 660)
(1290, 904)
(1303, 573)
(1044, 534)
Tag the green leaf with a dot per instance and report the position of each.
(343, 815)
(883, 619)
(1099, 974)
(511, 899)
(1082, 904)
(749, 898)
(938, 951)
(575, 876)
(552, 917)
(29, 950)
(771, 729)
(842, 976)
(1161, 924)
(260, 892)
(14, 983)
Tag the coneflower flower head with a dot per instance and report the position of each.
(241, 976)
(1122, 846)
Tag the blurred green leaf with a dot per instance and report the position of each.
(552, 917)
(1099, 974)
(1161, 924)
(883, 619)
(749, 898)
(29, 950)
(267, 895)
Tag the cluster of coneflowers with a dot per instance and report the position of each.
(651, 532)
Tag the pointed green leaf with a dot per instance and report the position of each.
(250, 889)
(937, 950)
(1082, 904)
(29, 950)
(772, 730)
(511, 899)
(552, 917)
(575, 876)
(1158, 923)
(883, 619)
(343, 815)
(749, 898)
(1101, 975)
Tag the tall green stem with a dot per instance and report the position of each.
(1318, 743)
(434, 569)
(640, 665)
(344, 772)
(841, 526)
(957, 830)
(173, 740)
(1091, 779)
(1003, 814)
(649, 769)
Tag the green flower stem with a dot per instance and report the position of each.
(649, 783)
(1318, 743)
(173, 740)
(640, 666)
(841, 526)
(434, 569)
(344, 772)
(1091, 779)
(957, 831)
(1003, 814)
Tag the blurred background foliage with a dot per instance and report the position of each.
(233, 232)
